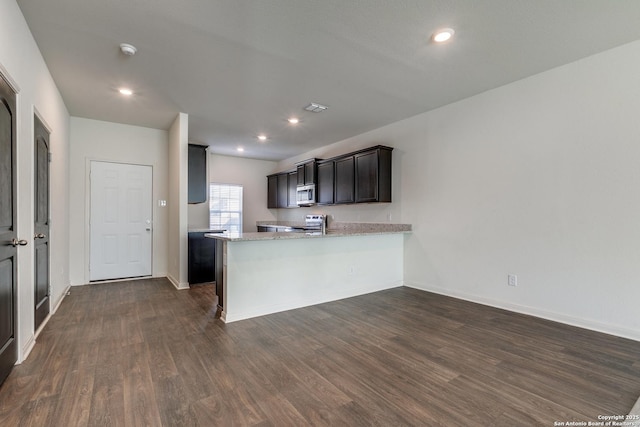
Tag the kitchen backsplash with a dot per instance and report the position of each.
(379, 213)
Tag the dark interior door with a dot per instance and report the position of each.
(41, 225)
(8, 242)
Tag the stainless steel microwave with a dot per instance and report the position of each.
(306, 195)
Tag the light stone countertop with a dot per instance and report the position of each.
(337, 230)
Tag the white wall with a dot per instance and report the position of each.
(177, 203)
(539, 178)
(252, 175)
(22, 63)
(113, 142)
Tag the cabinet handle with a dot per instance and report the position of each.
(39, 236)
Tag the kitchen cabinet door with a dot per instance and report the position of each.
(272, 191)
(344, 180)
(373, 176)
(201, 256)
(292, 183)
(366, 174)
(325, 188)
(219, 271)
(197, 174)
(307, 173)
(283, 190)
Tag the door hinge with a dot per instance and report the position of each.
(49, 157)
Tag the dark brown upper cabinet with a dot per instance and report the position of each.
(281, 190)
(307, 172)
(292, 185)
(197, 174)
(373, 175)
(363, 176)
(344, 180)
(325, 189)
(272, 191)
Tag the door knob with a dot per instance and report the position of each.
(15, 242)
(39, 236)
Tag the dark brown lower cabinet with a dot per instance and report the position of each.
(219, 271)
(201, 255)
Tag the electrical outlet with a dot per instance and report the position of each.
(512, 280)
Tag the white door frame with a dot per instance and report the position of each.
(87, 214)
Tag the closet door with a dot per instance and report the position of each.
(8, 239)
(41, 222)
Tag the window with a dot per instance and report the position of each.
(225, 207)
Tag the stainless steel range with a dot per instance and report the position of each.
(315, 224)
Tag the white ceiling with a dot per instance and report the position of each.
(241, 67)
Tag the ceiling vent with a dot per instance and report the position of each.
(315, 108)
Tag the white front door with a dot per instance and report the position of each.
(120, 223)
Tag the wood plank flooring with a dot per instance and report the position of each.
(142, 353)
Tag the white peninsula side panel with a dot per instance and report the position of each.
(268, 276)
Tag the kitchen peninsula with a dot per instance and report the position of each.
(263, 273)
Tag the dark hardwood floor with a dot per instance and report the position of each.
(142, 353)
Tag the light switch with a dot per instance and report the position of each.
(162, 203)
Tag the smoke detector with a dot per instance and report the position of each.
(128, 49)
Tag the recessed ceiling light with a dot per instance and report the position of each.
(262, 137)
(240, 149)
(125, 91)
(293, 120)
(443, 35)
(315, 108)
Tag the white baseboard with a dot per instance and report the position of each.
(176, 283)
(536, 312)
(64, 294)
(31, 342)
(53, 311)
(26, 350)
